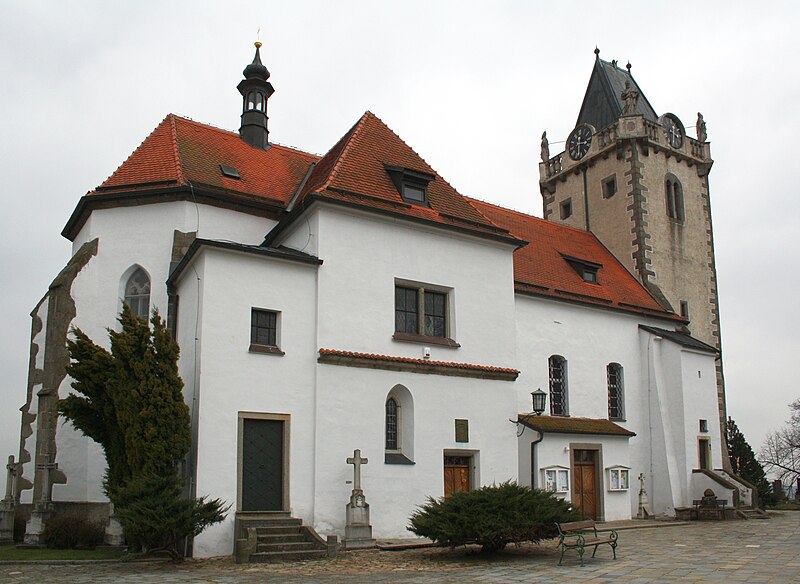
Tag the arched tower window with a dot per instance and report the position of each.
(391, 424)
(137, 293)
(399, 426)
(616, 392)
(559, 405)
(674, 196)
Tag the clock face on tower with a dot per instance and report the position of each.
(673, 130)
(579, 141)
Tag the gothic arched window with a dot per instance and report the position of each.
(674, 195)
(392, 419)
(137, 293)
(616, 392)
(558, 386)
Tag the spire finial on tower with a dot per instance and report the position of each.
(596, 52)
(628, 67)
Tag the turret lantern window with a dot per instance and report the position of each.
(137, 293)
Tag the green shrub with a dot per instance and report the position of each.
(67, 531)
(492, 516)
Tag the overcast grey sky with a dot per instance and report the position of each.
(469, 85)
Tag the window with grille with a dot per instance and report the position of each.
(264, 331)
(558, 386)
(391, 424)
(137, 293)
(616, 395)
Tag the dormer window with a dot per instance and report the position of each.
(411, 184)
(414, 194)
(586, 270)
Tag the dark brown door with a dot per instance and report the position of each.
(262, 465)
(584, 483)
(705, 453)
(456, 474)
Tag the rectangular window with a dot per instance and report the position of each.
(684, 309)
(414, 194)
(406, 310)
(462, 430)
(609, 186)
(704, 425)
(422, 313)
(566, 208)
(558, 386)
(264, 331)
(556, 480)
(616, 392)
(618, 479)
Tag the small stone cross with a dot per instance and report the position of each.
(357, 461)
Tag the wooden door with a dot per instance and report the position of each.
(584, 483)
(456, 474)
(262, 465)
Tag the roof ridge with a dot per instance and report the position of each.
(233, 133)
(433, 170)
(135, 150)
(175, 151)
(353, 132)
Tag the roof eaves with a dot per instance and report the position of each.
(279, 253)
(683, 339)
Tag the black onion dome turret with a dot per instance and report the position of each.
(256, 69)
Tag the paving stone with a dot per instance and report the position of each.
(693, 552)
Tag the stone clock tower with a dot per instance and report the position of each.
(640, 184)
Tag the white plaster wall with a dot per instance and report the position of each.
(363, 255)
(350, 415)
(128, 236)
(231, 379)
(589, 339)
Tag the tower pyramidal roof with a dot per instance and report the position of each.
(602, 105)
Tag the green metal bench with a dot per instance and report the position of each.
(578, 535)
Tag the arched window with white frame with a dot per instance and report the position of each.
(137, 293)
(399, 426)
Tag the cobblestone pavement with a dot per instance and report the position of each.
(730, 551)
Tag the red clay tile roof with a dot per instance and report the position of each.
(181, 151)
(540, 267)
(353, 171)
(562, 425)
(438, 364)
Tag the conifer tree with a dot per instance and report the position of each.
(130, 401)
(745, 464)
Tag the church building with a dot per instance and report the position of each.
(355, 310)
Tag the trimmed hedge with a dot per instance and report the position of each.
(492, 516)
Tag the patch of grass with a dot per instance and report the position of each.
(11, 553)
(786, 506)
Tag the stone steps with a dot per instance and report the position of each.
(751, 513)
(268, 537)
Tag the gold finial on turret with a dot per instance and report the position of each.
(258, 44)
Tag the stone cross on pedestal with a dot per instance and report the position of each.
(357, 530)
(357, 461)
